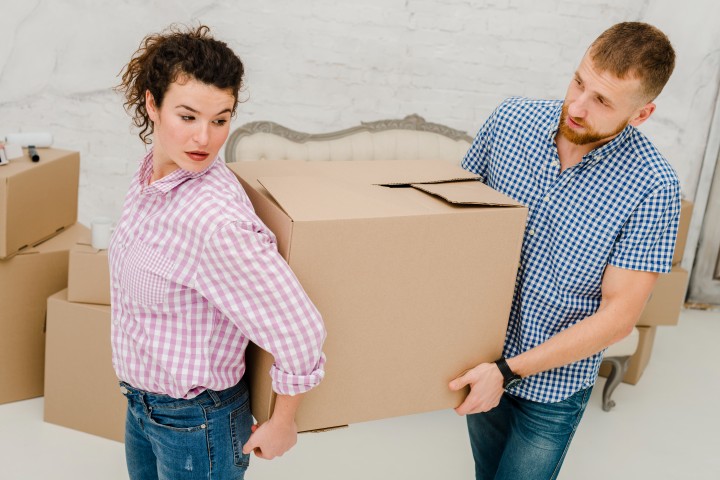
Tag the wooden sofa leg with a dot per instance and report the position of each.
(619, 366)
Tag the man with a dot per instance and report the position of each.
(603, 213)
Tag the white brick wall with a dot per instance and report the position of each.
(323, 65)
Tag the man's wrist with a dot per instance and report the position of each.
(510, 378)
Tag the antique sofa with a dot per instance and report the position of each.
(410, 138)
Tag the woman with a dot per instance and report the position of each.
(196, 276)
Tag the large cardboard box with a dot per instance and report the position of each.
(37, 200)
(26, 280)
(81, 389)
(413, 268)
(640, 358)
(666, 299)
(686, 209)
(89, 274)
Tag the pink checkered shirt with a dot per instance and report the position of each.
(195, 275)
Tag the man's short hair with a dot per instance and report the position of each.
(637, 50)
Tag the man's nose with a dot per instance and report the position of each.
(577, 107)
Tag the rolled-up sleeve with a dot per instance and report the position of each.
(243, 275)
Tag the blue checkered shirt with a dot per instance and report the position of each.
(620, 206)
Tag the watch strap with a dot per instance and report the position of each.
(506, 371)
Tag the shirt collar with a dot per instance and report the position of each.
(553, 123)
(169, 181)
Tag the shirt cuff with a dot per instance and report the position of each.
(645, 267)
(284, 383)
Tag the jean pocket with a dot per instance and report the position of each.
(184, 419)
(241, 427)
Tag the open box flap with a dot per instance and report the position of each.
(407, 172)
(468, 193)
(322, 198)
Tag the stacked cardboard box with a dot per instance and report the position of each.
(38, 200)
(412, 267)
(38, 211)
(89, 275)
(26, 280)
(664, 305)
(78, 359)
(78, 350)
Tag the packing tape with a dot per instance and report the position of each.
(39, 139)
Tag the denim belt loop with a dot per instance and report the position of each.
(214, 396)
(135, 394)
(141, 398)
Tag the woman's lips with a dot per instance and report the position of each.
(197, 156)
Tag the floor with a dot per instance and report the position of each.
(665, 427)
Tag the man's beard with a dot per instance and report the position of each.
(589, 136)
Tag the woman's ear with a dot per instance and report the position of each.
(151, 107)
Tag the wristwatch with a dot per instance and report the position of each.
(510, 378)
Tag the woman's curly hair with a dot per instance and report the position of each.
(165, 57)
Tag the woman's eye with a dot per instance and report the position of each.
(220, 122)
(187, 118)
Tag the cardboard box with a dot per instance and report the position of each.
(26, 280)
(89, 274)
(37, 200)
(640, 359)
(78, 360)
(666, 299)
(686, 209)
(412, 267)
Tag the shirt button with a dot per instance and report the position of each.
(531, 232)
(547, 198)
(123, 390)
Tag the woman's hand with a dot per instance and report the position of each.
(271, 439)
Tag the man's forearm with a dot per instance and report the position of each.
(625, 293)
(582, 340)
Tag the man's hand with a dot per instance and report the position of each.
(271, 439)
(486, 388)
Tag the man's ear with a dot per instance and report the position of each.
(151, 107)
(643, 114)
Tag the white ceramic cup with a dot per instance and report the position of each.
(101, 228)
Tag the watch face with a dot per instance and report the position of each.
(513, 382)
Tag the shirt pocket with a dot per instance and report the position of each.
(146, 274)
(594, 223)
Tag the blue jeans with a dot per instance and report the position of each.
(174, 439)
(521, 439)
